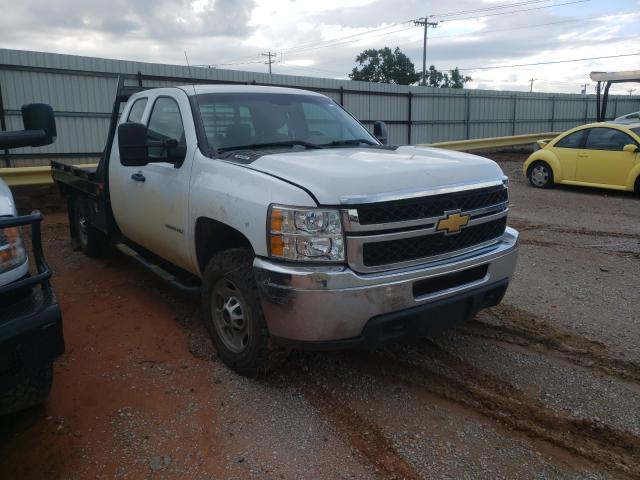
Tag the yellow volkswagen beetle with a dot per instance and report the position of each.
(605, 155)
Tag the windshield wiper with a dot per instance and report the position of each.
(354, 141)
(284, 143)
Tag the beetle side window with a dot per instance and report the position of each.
(135, 114)
(607, 139)
(573, 140)
(165, 123)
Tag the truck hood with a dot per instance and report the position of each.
(342, 175)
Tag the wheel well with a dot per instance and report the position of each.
(637, 185)
(213, 236)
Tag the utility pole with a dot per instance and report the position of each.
(269, 61)
(631, 90)
(531, 84)
(424, 22)
(584, 89)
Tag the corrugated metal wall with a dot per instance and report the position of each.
(81, 90)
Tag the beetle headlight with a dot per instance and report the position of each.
(12, 252)
(305, 234)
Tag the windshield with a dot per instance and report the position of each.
(636, 130)
(236, 120)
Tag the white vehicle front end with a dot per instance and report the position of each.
(14, 264)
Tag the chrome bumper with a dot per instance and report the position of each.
(332, 303)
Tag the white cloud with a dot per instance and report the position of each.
(308, 34)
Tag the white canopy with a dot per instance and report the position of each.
(628, 76)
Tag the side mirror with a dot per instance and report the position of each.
(39, 128)
(132, 144)
(631, 148)
(380, 132)
(39, 116)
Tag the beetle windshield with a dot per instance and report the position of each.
(233, 121)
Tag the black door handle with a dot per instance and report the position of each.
(138, 177)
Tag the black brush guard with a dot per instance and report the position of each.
(42, 268)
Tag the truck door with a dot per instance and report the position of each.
(150, 203)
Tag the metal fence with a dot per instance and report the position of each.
(81, 91)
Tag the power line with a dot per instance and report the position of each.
(336, 41)
(342, 40)
(484, 9)
(549, 63)
(516, 11)
(345, 39)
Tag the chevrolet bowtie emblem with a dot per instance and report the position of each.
(452, 222)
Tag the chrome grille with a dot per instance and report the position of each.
(403, 232)
(432, 206)
(406, 249)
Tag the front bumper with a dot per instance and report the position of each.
(336, 306)
(30, 335)
(30, 318)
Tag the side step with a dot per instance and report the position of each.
(158, 270)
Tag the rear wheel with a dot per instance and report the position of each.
(540, 175)
(233, 315)
(637, 187)
(91, 241)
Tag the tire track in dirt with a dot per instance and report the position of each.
(364, 436)
(549, 244)
(515, 326)
(524, 226)
(455, 380)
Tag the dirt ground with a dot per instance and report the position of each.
(547, 385)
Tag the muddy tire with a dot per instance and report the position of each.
(540, 175)
(233, 315)
(92, 242)
(33, 389)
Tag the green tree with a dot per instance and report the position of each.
(456, 79)
(453, 79)
(384, 66)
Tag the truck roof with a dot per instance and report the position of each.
(189, 89)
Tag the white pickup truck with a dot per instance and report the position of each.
(296, 225)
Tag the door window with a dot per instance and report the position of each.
(573, 140)
(607, 139)
(165, 123)
(135, 114)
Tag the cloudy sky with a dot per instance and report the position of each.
(322, 37)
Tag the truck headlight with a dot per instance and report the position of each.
(12, 252)
(305, 234)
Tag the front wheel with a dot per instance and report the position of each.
(233, 315)
(540, 175)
